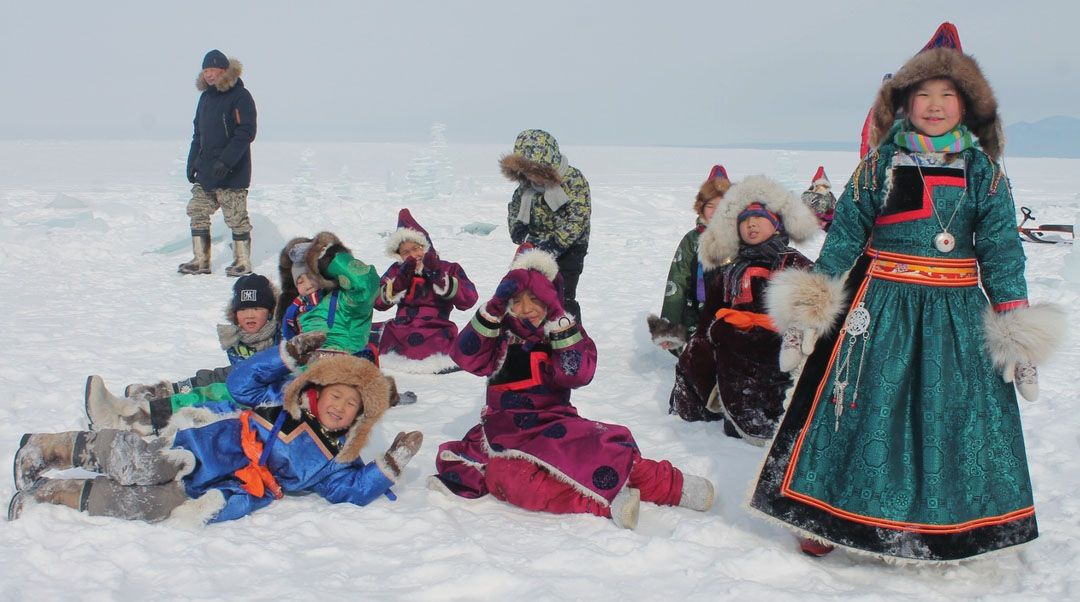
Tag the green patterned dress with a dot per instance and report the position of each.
(901, 439)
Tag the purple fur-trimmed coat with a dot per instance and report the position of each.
(422, 326)
(528, 413)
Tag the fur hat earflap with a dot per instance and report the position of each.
(227, 80)
(340, 369)
(288, 287)
(535, 259)
(719, 243)
(716, 185)
(662, 330)
(980, 105)
(408, 230)
(1027, 334)
(805, 300)
(319, 245)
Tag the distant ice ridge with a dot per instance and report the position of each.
(431, 174)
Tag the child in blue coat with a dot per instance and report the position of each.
(236, 465)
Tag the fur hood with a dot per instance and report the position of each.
(346, 370)
(228, 79)
(536, 158)
(288, 287)
(980, 105)
(719, 242)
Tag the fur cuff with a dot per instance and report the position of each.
(805, 300)
(663, 331)
(1029, 334)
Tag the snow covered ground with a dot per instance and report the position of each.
(90, 236)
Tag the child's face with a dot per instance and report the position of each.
(411, 249)
(251, 319)
(935, 107)
(304, 285)
(755, 230)
(338, 406)
(526, 306)
(709, 209)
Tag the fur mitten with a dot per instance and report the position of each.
(666, 334)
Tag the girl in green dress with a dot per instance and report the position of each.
(903, 435)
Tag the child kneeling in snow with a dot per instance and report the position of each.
(729, 369)
(232, 467)
(425, 289)
(531, 448)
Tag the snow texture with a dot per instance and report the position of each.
(83, 298)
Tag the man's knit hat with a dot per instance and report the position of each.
(215, 58)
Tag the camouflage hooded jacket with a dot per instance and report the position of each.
(556, 195)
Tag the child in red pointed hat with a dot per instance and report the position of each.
(820, 199)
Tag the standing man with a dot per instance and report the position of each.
(219, 163)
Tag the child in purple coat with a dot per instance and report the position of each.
(425, 290)
(531, 448)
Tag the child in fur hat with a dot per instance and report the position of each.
(531, 448)
(729, 370)
(903, 435)
(551, 208)
(236, 465)
(425, 289)
(250, 329)
(684, 293)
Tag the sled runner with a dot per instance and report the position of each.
(1046, 233)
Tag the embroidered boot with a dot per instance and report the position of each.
(200, 246)
(812, 547)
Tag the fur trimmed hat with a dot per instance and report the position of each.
(535, 259)
(979, 104)
(288, 284)
(408, 230)
(820, 179)
(716, 185)
(320, 245)
(719, 242)
(349, 370)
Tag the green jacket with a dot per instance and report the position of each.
(681, 303)
(352, 305)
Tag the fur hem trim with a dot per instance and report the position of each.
(450, 456)
(719, 243)
(197, 512)
(805, 300)
(555, 472)
(227, 80)
(433, 364)
(346, 370)
(662, 330)
(1028, 334)
(192, 417)
(535, 259)
(517, 168)
(319, 245)
(393, 242)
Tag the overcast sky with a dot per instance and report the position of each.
(592, 72)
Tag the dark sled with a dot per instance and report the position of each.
(1046, 233)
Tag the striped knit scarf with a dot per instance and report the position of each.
(950, 142)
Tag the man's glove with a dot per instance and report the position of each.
(220, 170)
(1025, 376)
